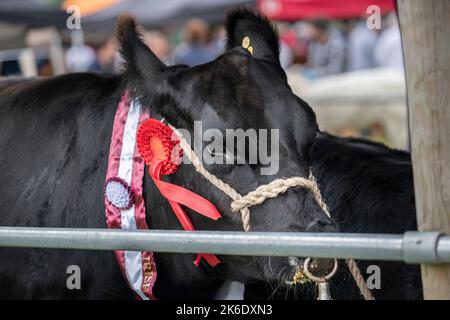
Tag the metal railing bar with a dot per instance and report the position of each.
(324, 245)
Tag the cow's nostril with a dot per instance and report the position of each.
(322, 225)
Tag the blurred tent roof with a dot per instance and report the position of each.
(88, 7)
(33, 13)
(161, 13)
(292, 10)
(101, 15)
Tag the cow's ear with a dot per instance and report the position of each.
(142, 66)
(254, 32)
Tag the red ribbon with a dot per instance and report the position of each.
(175, 194)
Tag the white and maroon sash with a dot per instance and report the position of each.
(124, 204)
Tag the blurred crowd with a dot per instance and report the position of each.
(328, 48)
(309, 50)
(321, 47)
(196, 43)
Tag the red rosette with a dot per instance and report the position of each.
(157, 142)
(159, 147)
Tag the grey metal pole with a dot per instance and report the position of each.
(323, 245)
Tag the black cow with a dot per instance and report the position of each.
(369, 189)
(54, 142)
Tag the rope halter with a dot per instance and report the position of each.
(255, 197)
(264, 192)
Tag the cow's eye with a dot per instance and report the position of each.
(227, 156)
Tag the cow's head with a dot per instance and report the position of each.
(244, 88)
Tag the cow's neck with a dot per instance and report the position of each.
(333, 164)
(177, 277)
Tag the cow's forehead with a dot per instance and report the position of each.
(237, 90)
(232, 75)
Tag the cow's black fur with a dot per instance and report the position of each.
(53, 162)
(54, 147)
(369, 189)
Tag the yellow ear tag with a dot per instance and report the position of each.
(246, 42)
(246, 45)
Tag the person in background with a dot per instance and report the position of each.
(388, 49)
(326, 54)
(286, 55)
(79, 58)
(288, 41)
(302, 30)
(106, 56)
(160, 45)
(196, 48)
(360, 47)
(219, 40)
